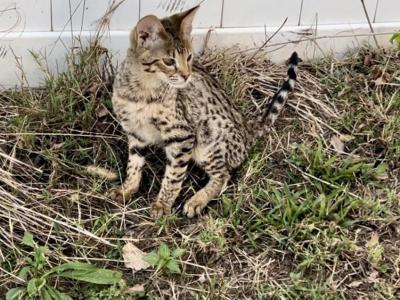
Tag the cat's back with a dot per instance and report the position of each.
(219, 124)
(205, 99)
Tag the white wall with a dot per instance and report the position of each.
(47, 26)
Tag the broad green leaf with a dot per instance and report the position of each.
(45, 295)
(23, 272)
(380, 171)
(57, 295)
(152, 258)
(72, 266)
(395, 38)
(31, 287)
(42, 250)
(35, 285)
(15, 293)
(40, 257)
(295, 276)
(97, 276)
(164, 251)
(28, 239)
(173, 266)
(178, 252)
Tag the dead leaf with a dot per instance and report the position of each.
(337, 144)
(133, 257)
(373, 241)
(380, 77)
(373, 276)
(383, 176)
(380, 81)
(346, 137)
(202, 278)
(138, 288)
(355, 284)
(57, 146)
(102, 112)
(75, 197)
(367, 60)
(376, 72)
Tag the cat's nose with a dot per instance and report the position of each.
(185, 76)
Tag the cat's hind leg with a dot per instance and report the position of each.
(213, 188)
(215, 165)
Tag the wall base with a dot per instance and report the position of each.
(308, 42)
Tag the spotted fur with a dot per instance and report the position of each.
(161, 98)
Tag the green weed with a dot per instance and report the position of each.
(40, 276)
(165, 259)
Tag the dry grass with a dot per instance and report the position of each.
(312, 214)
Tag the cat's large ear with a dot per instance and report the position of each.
(187, 20)
(148, 33)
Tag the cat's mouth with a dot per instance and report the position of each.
(178, 82)
(179, 85)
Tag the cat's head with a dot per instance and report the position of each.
(163, 47)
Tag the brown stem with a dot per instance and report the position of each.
(369, 23)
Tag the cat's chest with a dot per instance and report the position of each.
(139, 118)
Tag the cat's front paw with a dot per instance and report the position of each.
(159, 209)
(119, 194)
(195, 205)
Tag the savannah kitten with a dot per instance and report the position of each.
(162, 99)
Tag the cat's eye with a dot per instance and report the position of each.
(169, 62)
(189, 57)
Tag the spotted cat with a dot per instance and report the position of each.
(162, 98)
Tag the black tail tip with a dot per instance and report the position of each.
(294, 59)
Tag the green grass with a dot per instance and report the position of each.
(300, 219)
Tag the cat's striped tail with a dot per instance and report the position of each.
(278, 101)
(262, 124)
